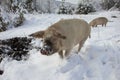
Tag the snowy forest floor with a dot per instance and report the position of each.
(99, 58)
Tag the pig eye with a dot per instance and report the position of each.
(48, 42)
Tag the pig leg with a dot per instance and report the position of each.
(61, 54)
(102, 25)
(67, 52)
(105, 24)
(81, 44)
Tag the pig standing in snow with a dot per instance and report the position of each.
(98, 21)
(63, 36)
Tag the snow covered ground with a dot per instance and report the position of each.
(99, 58)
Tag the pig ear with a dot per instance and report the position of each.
(38, 34)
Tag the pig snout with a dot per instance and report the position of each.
(46, 50)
